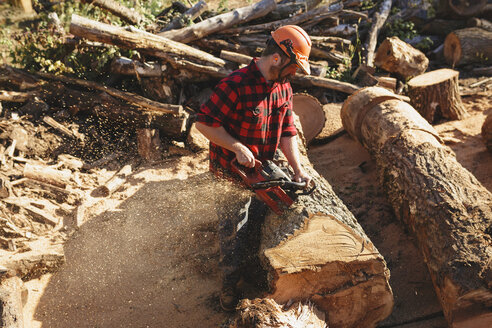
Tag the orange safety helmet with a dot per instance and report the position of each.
(295, 42)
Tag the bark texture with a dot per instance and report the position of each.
(436, 94)
(444, 205)
(11, 315)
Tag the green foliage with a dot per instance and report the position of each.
(41, 47)
(367, 5)
(401, 29)
(425, 44)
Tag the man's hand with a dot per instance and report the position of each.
(244, 156)
(302, 176)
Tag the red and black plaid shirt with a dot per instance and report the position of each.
(251, 111)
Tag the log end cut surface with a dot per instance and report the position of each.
(433, 77)
(310, 113)
(331, 265)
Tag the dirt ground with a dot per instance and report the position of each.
(147, 256)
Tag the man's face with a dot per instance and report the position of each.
(283, 72)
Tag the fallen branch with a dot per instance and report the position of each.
(221, 22)
(324, 11)
(378, 22)
(145, 42)
(129, 15)
(14, 96)
(189, 15)
(144, 103)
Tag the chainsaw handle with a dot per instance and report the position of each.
(241, 169)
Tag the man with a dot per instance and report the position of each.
(248, 117)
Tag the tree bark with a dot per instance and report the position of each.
(148, 142)
(436, 94)
(444, 205)
(144, 42)
(396, 56)
(221, 22)
(317, 251)
(372, 38)
(468, 46)
(487, 132)
(128, 15)
(443, 26)
(11, 304)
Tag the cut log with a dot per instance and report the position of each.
(221, 22)
(487, 132)
(265, 313)
(188, 16)
(146, 43)
(446, 208)
(36, 208)
(11, 76)
(317, 251)
(128, 15)
(372, 38)
(468, 46)
(113, 183)
(11, 305)
(47, 174)
(311, 115)
(396, 56)
(436, 94)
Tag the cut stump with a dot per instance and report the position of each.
(446, 208)
(436, 94)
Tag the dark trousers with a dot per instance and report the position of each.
(240, 218)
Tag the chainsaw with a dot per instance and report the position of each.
(272, 184)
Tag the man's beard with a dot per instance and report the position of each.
(274, 71)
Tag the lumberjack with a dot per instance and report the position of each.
(251, 109)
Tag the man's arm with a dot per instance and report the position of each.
(219, 136)
(289, 147)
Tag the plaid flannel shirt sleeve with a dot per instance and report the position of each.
(288, 127)
(219, 106)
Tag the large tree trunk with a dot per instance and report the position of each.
(318, 251)
(467, 46)
(443, 204)
(221, 22)
(436, 94)
(396, 56)
(144, 42)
